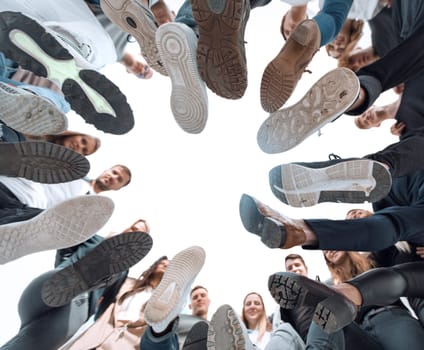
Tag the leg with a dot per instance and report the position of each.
(287, 335)
(317, 339)
(169, 341)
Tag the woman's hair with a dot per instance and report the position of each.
(144, 281)
(358, 263)
(263, 323)
(355, 32)
(132, 228)
(58, 139)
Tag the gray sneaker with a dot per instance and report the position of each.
(226, 331)
(170, 295)
(326, 100)
(189, 100)
(221, 56)
(43, 162)
(64, 225)
(132, 17)
(338, 181)
(90, 94)
(28, 113)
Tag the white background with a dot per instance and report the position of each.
(188, 186)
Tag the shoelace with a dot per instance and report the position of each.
(333, 156)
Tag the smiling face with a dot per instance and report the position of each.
(82, 144)
(358, 214)
(253, 310)
(112, 179)
(296, 266)
(335, 256)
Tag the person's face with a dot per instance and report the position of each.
(253, 308)
(112, 179)
(296, 266)
(358, 214)
(359, 59)
(82, 144)
(335, 256)
(161, 267)
(199, 302)
(138, 226)
(337, 47)
(371, 118)
(290, 24)
(162, 13)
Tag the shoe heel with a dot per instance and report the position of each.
(302, 34)
(334, 313)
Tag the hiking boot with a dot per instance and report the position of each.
(99, 268)
(64, 225)
(132, 17)
(281, 233)
(197, 337)
(281, 75)
(337, 181)
(291, 291)
(43, 162)
(226, 332)
(221, 56)
(189, 100)
(169, 297)
(90, 94)
(28, 113)
(326, 100)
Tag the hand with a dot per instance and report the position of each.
(397, 128)
(420, 252)
(134, 66)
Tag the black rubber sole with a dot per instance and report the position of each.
(43, 162)
(197, 337)
(97, 268)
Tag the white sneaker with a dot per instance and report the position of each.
(170, 295)
(28, 113)
(64, 225)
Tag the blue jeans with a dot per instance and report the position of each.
(331, 18)
(395, 329)
(167, 342)
(285, 336)
(317, 339)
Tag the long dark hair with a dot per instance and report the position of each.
(144, 281)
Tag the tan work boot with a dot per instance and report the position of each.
(284, 71)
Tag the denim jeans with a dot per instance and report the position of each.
(285, 337)
(317, 339)
(168, 341)
(331, 17)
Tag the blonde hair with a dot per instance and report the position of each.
(263, 324)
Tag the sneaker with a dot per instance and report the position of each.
(338, 181)
(170, 295)
(221, 56)
(28, 113)
(326, 100)
(281, 232)
(225, 331)
(197, 337)
(284, 71)
(97, 269)
(291, 291)
(64, 225)
(189, 101)
(90, 94)
(133, 18)
(43, 162)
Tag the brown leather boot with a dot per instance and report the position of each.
(284, 71)
(275, 230)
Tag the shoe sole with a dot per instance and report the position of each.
(225, 332)
(219, 57)
(90, 94)
(65, 225)
(301, 186)
(30, 114)
(272, 234)
(42, 162)
(111, 257)
(328, 98)
(133, 18)
(197, 337)
(277, 83)
(189, 100)
(333, 314)
(168, 298)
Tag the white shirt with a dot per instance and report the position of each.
(130, 308)
(44, 196)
